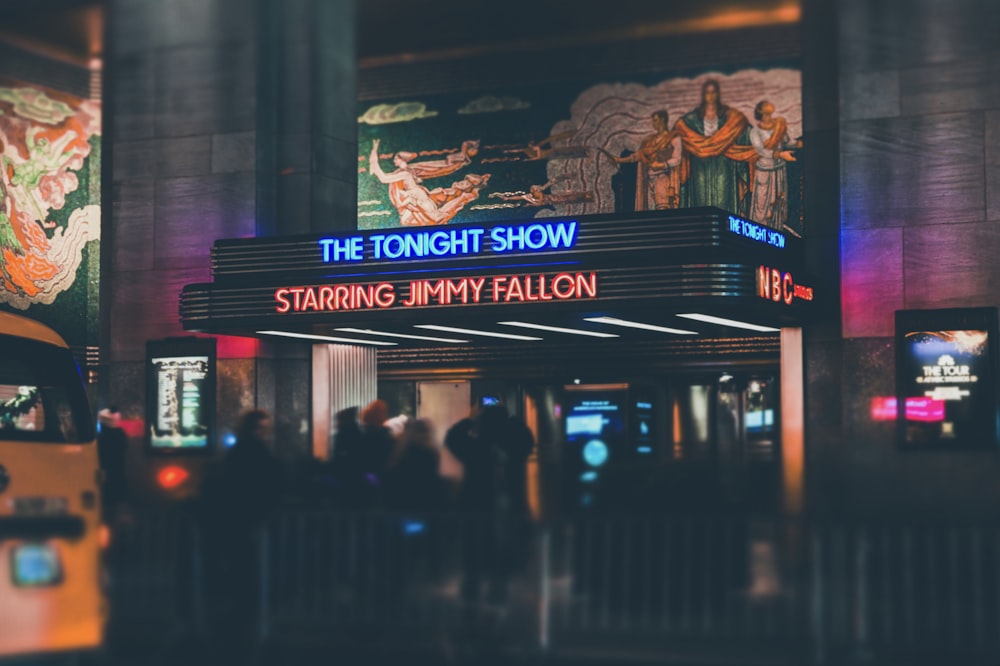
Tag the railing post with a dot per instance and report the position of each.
(816, 587)
(263, 626)
(545, 585)
(861, 611)
(197, 583)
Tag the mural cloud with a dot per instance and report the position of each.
(382, 114)
(492, 104)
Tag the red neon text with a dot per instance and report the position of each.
(447, 291)
(780, 287)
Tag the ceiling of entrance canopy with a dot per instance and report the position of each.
(449, 28)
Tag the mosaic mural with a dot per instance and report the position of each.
(726, 139)
(50, 207)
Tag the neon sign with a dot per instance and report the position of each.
(780, 287)
(445, 291)
(455, 242)
(756, 232)
(927, 410)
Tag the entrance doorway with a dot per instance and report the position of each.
(443, 404)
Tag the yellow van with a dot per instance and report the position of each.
(51, 597)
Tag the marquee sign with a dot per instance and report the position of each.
(756, 232)
(780, 287)
(454, 242)
(434, 292)
(705, 258)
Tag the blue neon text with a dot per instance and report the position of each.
(343, 249)
(756, 232)
(415, 245)
(561, 235)
(455, 242)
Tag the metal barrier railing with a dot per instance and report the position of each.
(153, 577)
(809, 591)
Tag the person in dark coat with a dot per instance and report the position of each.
(112, 443)
(412, 483)
(238, 496)
(414, 495)
(493, 449)
(353, 488)
(378, 442)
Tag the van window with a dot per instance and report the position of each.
(41, 394)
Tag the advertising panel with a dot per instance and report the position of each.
(181, 395)
(945, 375)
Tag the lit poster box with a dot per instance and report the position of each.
(946, 372)
(180, 395)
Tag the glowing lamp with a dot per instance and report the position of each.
(171, 477)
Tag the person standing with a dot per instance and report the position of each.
(717, 153)
(239, 494)
(769, 204)
(112, 443)
(377, 442)
(412, 482)
(657, 184)
(493, 449)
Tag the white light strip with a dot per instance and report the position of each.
(557, 329)
(729, 322)
(327, 338)
(368, 331)
(469, 331)
(638, 324)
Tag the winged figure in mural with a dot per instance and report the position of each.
(419, 206)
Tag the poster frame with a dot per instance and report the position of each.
(181, 347)
(986, 423)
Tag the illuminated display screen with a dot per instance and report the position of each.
(456, 242)
(946, 376)
(584, 424)
(643, 435)
(179, 420)
(181, 395)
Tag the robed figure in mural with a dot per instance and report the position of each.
(715, 166)
(769, 203)
(417, 205)
(657, 185)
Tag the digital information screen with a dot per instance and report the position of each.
(643, 435)
(181, 395)
(595, 436)
(945, 375)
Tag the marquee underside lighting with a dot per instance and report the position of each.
(558, 329)
(405, 336)
(614, 321)
(327, 338)
(729, 322)
(470, 331)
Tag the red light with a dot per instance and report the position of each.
(883, 409)
(171, 477)
(104, 536)
(917, 409)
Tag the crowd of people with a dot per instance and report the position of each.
(387, 465)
